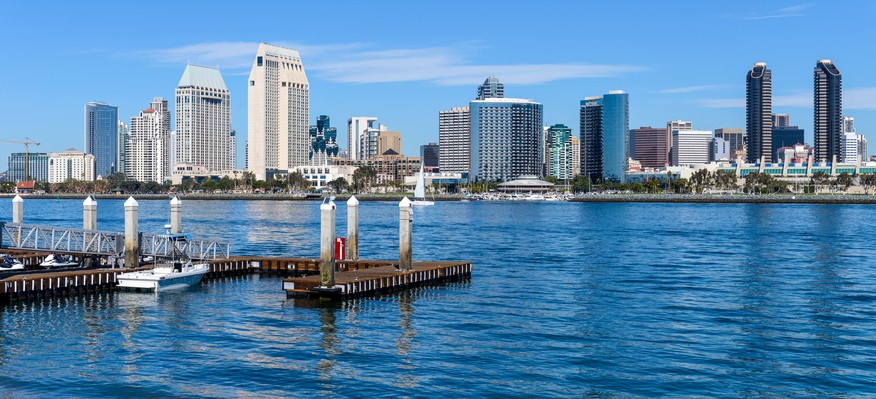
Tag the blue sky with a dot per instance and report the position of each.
(405, 61)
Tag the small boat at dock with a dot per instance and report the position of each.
(174, 273)
(55, 260)
(8, 263)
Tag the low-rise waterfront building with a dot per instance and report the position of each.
(71, 164)
(389, 167)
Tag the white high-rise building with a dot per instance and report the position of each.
(850, 148)
(356, 127)
(369, 140)
(691, 147)
(122, 139)
(71, 164)
(279, 111)
(233, 144)
(203, 120)
(147, 150)
(576, 156)
(454, 140)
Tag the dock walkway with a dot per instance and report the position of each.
(378, 277)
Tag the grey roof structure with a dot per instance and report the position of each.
(199, 76)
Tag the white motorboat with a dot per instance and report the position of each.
(533, 197)
(165, 276)
(177, 272)
(7, 263)
(420, 191)
(53, 261)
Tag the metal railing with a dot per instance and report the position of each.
(94, 242)
(61, 239)
(161, 246)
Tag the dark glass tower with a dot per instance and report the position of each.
(759, 113)
(828, 112)
(591, 138)
(323, 141)
(101, 137)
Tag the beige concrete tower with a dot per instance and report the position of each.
(203, 120)
(279, 108)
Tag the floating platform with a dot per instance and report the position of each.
(373, 277)
(353, 277)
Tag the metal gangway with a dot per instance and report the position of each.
(107, 243)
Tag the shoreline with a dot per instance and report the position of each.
(634, 198)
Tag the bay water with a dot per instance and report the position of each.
(605, 300)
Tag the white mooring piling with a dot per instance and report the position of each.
(175, 215)
(405, 227)
(132, 232)
(89, 213)
(353, 228)
(327, 243)
(17, 210)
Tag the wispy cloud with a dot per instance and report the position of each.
(227, 55)
(692, 89)
(361, 63)
(785, 12)
(723, 102)
(856, 98)
(860, 98)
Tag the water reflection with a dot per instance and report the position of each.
(406, 377)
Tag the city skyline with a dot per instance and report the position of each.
(447, 69)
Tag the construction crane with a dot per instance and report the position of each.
(27, 142)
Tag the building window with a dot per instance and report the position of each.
(258, 61)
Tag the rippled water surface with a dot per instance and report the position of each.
(566, 300)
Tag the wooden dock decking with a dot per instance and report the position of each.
(353, 278)
(377, 277)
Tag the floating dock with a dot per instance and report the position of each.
(353, 277)
(374, 277)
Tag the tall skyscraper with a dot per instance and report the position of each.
(828, 112)
(147, 152)
(232, 142)
(559, 150)
(672, 126)
(356, 127)
(652, 147)
(102, 137)
(323, 142)
(505, 138)
(279, 107)
(759, 113)
(203, 120)
(605, 127)
(850, 148)
(429, 154)
(781, 120)
(591, 138)
(576, 156)
(368, 141)
(491, 89)
(122, 139)
(454, 140)
(690, 147)
(735, 139)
